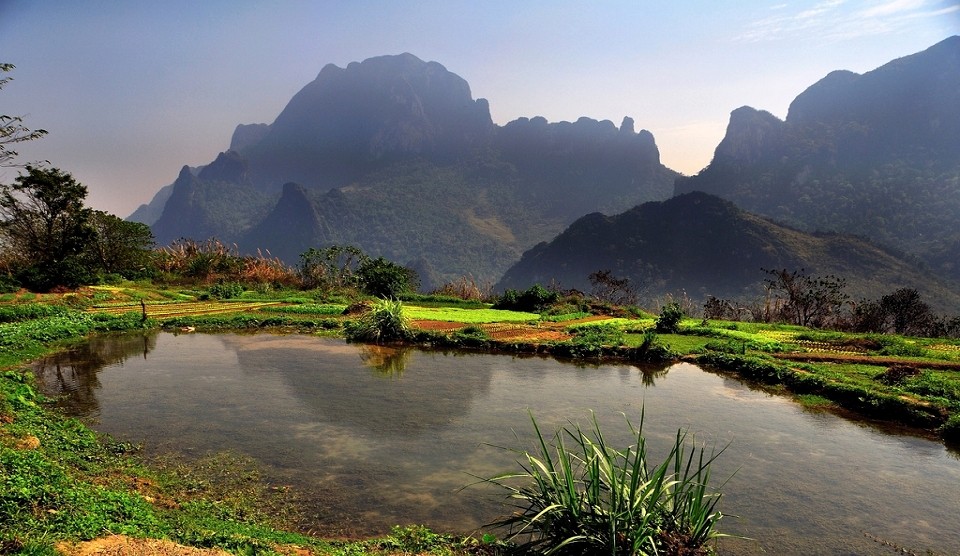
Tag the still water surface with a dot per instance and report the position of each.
(377, 436)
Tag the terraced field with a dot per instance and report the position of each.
(165, 310)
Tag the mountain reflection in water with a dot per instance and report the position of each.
(373, 436)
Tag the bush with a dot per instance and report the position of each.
(669, 320)
(382, 278)
(8, 284)
(226, 290)
(383, 322)
(536, 299)
(587, 497)
(951, 429)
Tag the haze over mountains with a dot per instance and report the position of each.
(876, 155)
(394, 155)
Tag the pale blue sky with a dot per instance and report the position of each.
(130, 91)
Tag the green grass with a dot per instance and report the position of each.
(305, 309)
(468, 316)
(565, 316)
(813, 401)
(677, 343)
(612, 321)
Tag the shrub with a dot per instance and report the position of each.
(383, 322)
(535, 299)
(382, 278)
(951, 429)
(580, 495)
(226, 290)
(8, 284)
(669, 320)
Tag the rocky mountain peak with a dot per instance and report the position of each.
(749, 135)
(228, 167)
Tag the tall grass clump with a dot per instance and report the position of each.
(578, 495)
(383, 322)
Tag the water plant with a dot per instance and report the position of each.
(383, 322)
(577, 494)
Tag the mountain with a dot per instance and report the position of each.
(876, 155)
(704, 245)
(394, 155)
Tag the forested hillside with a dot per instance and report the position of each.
(704, 246)
(395, 156)
(876, 155)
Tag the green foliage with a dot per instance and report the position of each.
(535, 299)
(383, 322)
(414, 539)
(46, 228)
(898, 346)
(441, 300)
(305, 309)
(669, 320)
(332, 268)
(226, 290)
(12, 130)
(579, 495)
(30, 311)
(951, 429)
(119, 247)
(382, 278)
(469, 316)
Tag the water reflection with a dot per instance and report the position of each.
(375, 437)
(72, 375)
(388, 361)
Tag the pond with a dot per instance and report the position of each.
(374, 436)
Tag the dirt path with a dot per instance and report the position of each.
(119, 545)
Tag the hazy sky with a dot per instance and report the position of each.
(130, 91)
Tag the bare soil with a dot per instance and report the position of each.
(119, 545)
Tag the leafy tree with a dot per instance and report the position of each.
(384, 278)
(118, 246)
(535, 299)
(46, 224)
(907, 313)
(12, 130)
(808, 300)
(331, 268)
(901, 312)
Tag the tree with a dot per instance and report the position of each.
(45, 224)
(808, 300)
(12, 130)
(118, 246)
(901, 312)
(331, 268)
(607, 288)
(383, 278)
(907, 313)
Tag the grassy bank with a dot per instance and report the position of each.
(60, 482)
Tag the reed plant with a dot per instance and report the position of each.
(578, 495)
(383, 322)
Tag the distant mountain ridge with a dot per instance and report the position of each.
(394, 155)
(703, 245)
(876, 155)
